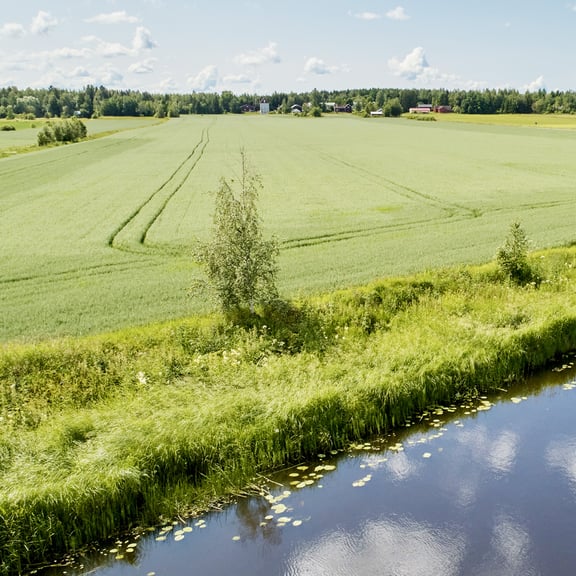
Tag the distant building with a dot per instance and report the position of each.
(264, 107)
(443, 109)
(345, 108)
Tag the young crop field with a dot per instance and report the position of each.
(98, 235)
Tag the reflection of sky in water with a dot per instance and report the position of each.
(402, 547)
(561, 454)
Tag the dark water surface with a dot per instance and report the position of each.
(465, 491)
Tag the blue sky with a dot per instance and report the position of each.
(266, 46)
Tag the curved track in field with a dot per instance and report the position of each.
(451, 211)
(131, 234)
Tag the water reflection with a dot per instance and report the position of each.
(387, 546)
(561, 454)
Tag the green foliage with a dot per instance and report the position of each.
(421, 117)
(240, 265)
(512, 256)
(7, 128)
(392, 108)
(175, 416)
(68, 130)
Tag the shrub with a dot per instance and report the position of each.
(7, 128)
(512, 257)
(69, 130)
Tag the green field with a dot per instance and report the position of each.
(98, 235)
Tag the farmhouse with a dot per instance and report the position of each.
(264, 107)
(421, 109)
(344, 108)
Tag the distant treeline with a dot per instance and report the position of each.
(94, 101)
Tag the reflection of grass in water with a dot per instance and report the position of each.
(101, 434)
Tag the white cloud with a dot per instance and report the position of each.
(80, 72)
(397, 13)
(113, 18)
(12, 30)
(266, 55)
(237, 79)
(535, 85)
(42, 23)
(108, 49)
(143, 39)
(318, 66)
(111, 76)
(413, 66)
(168, 85)
(143, 67)
(205, 80)
(367, 16)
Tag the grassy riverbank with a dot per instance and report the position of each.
(102, 434)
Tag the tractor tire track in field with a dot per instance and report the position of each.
(132, 233)
(453, 212)
(401, 190)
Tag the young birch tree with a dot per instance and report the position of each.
(240, 264)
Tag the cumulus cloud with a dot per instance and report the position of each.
(113, 18)
(415, 68)
(12, 30)
(266, 55)
(205, 80)
(42, 23)
(143, 39)
(367, 16)
(318, 66)
(80, 72)
(107, 49)
(535, 85)
(111, 76)
(237, 79)
(143, 67)
(397, 13)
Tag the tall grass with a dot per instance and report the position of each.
(104, 434)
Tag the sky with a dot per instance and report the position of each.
(258, 46)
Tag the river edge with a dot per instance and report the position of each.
(146, 442)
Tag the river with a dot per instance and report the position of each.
(479, 488)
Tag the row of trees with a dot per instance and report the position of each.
(95, 101)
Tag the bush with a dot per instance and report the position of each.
(512, 257)
(7, 128)
(69, 130)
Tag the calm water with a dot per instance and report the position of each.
(465, 492)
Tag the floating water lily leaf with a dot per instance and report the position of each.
(269, 517)
(235, 538)
(187, 529)
(120, 557)
(279, 508)
(516, 400)
(297, 523)
(114, 551)
(302, 467)
(179, 537)
(329, 467)
(160, 538)
(284, 520)
(294, 474)
(426, 455)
